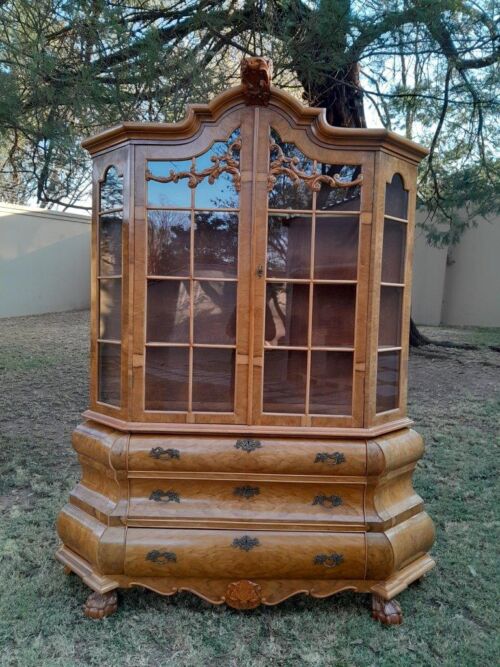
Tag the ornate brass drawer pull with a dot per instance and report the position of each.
(160, 453)
(160, 496)
(329, 560)
(161, 557)
(245, 543)
(246, 491)
(327, 501)
(334, 459)
(248, 445)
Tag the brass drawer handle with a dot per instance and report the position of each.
(246, 491)
(248, 445)
(161, 557)
(329, 560)
(160, 453)
(327, 501)
(160, 496)
(245, 543)
(334, 459)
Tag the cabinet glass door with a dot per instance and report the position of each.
(193, 276)
(311, 280)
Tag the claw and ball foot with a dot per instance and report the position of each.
(386, 611)
(100, 605)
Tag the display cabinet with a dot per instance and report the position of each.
(247, 436)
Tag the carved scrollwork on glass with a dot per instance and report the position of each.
(245, 543)
(282, 164)
(329, 560)
(246, 491)
(161, 557)
(248, 445)
(228, 163)
(160, 496)
(333, 459)
(161, 453)
(327, 501)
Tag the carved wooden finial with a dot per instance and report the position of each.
(256, 75)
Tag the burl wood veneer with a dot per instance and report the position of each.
(247, 437)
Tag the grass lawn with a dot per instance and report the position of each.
(450, 618)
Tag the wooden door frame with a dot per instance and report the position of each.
(388, 166)
(191, 147)
(120, 159)
(323, 151)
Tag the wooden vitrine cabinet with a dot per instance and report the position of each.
(247, 436)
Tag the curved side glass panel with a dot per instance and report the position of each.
(392, 288)
(110, 218)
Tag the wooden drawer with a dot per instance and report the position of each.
(156, 499)
(274, 456)
(226, 554)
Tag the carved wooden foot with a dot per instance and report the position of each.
(386, 611)
(100, 605)
(67, 570)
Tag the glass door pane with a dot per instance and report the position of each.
(213, 379)
(167, 318)
(331, 382)
(289, 246)
(287, 308)
(393, 251)
(388, 380)
(168, 243)
(167, 378)
(285, 380)
(333, 315)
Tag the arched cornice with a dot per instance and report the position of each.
(299, 115)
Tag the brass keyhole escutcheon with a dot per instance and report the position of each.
(260, 271)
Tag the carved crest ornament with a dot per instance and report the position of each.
(256, 77)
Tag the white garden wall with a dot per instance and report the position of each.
(459, 286)
(44, 261)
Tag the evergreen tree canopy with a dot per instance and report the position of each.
(427, 68)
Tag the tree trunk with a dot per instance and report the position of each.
(342, 97)
(417, 338)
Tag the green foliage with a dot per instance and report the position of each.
(459, 201)
(428, 68)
